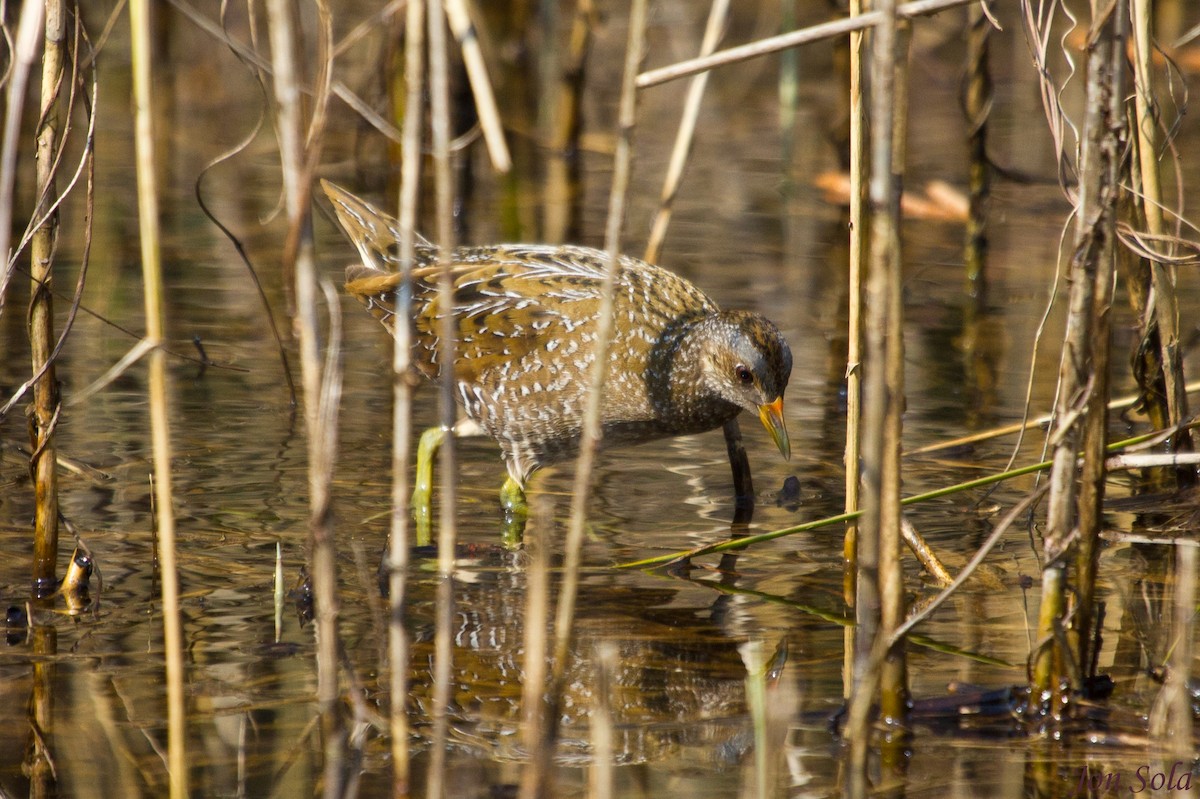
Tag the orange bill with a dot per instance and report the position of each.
(771, 415)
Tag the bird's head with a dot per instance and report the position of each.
(747, 362)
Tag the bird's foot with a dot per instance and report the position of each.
(516, 511)
(422, 496)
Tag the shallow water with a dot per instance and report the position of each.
(92, 679)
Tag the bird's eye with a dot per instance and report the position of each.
(743, 374)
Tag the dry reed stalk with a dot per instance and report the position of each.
(1178, 732)
(410, 174)
(717, 15)
(1152, 460)
(977, 107)
(321, 383)
(560, 217)
(866, 601)
(1080, 406)
(1162, 311)
(894, 696)
(279, 591)
(535, 774)
(600, 778)
(564, 621)
(773, 44)
(439, 104)
(43, 779)
(854, 337)
(789, 99)
(323, 438)
(1170, 722)
(854, 331)
(46, 401)
(481, 86)
(977, 345)
(880, 604)
(160, 432)
(1095, 424)
(369, 26)
(1121, 403)
(754, 658)
(25, 49)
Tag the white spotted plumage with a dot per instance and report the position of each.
(527, 318)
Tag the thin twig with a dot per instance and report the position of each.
(774, 44)
(339, 89)
(1016, 512)
(717, 15)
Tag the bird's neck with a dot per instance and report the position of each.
(680, 388)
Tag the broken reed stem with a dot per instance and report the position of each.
(439, 104)
(1082, 386)
(682, 149)
(410, 174)
(320, 384)
(565, 613)
(1164, 307)
(160, 433)
(924, 553)
(46, 400)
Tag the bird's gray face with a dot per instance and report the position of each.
(748, 363)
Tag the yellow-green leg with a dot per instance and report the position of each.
(512, 495)
(516, 511)
(422, 496)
